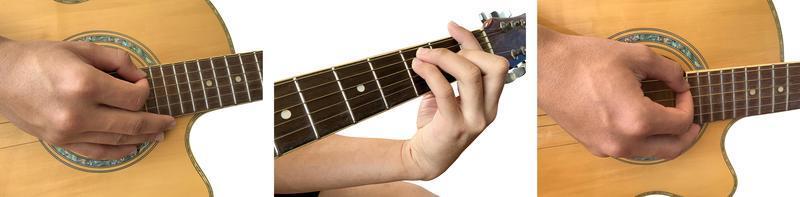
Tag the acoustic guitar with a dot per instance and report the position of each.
(731, 52)
(155, 34)
(311, 106)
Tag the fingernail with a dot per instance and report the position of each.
(141, 73)
(160, 137)
(422, 50)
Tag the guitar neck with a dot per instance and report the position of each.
(731, 93)
(311, 106)
(204, 84)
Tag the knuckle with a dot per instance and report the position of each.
(77, 87)
(119, 139)
(56, 138)
(135, 126)
(473, 75)
(66, 121)
(439, 51)
(631, 123)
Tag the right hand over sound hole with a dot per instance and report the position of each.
(592, 88)
(61, 93)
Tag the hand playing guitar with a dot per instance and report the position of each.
(61, 93)
(591, 87)
(448, 124)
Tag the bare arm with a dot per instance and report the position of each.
(446, 126)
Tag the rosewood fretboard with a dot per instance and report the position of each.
(204, 84)
(314, 105)
(730, 93)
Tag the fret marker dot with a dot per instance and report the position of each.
(286, 114)
(752, 92)
(780, 89)
(237, 79)
(209, 83)
(360, 88)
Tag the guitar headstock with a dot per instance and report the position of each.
(507, 38)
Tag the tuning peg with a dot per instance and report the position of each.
(495, 14)
(484, 17)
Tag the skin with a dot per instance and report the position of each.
(61, 93)
(591, 87)
(446, 124)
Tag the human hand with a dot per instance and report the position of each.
(448, 124)
(61, 93)
(591, 87)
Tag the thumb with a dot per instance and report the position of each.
(427, 109)
(108, 59)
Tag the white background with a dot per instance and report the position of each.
(302, 36)
(763, 149)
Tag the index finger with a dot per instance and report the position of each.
(122, 94)
(672, 120)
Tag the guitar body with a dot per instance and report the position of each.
(699, 35)
(153, 32)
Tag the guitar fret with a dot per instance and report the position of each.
(733, 87)
(308, 113)
(761, 90)
(773, 87)
(746, 94)
(699, 97)
(216, 83)
(153, 84)
(188, 80)
(199, 70)
(244, 73)
(169, 107)
(722, 94)
(180, 99)
(787, 87)
(710, 99)
(258, 64)
(408, 70)
(346, 102)
(233, 92)
(378, 82)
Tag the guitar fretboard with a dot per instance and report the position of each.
(204, 84)
(314, 105)
(736, 92)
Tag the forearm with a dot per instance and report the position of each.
(339, 161)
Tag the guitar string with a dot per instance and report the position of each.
(232, 84)
(329, 117)
(240, 85)
(308, 101)
(174, 75)
(374, 100)
(697, 77)
(363, 72)
(404, 69)
(202, 99)
(725, 86)
(347, 100)
(732, 92)
(488, 34)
